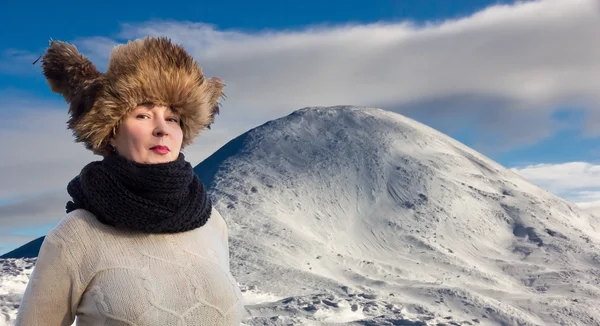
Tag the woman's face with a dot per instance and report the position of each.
(149, 135)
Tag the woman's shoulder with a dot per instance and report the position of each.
(218, 221)
(217, 217)
(87, 239)
(76, 225)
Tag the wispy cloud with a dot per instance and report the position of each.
(578, 182)
(46, 157)
(590, 201)
(42, 209)
(18, 62)
(564, 176)
(510, 66)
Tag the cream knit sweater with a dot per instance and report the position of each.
(105, 276)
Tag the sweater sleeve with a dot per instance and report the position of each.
(51, 295)
(225, 235)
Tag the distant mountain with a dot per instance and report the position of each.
(364, 217)
(28, 250)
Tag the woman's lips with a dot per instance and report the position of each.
(160, 149)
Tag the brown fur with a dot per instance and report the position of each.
(150, 70)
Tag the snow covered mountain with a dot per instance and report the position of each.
(331, 201)
(362, 216)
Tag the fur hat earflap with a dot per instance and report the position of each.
(150, 70)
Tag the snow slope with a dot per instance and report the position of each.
(331, 201)
(359, 216)
(14, 275)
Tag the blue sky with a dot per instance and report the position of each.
(73, 19)
(515, 81)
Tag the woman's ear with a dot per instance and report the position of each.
(113, 134)
(112, 145)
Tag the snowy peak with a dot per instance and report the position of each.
(362, 198)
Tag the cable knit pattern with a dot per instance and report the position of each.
(107, 276)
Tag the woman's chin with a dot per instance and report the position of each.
(151, 157)
(154, 158)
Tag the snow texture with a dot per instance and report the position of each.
(14, 275)
(359, 216)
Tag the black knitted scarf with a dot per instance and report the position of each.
(152, 198)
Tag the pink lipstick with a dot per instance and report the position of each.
(160, 149)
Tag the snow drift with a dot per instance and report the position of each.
(361, 216)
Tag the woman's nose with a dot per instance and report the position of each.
(160, 129)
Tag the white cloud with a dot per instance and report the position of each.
(510, 65)
(564, 176)
(590, 201)
(44, 154)
(578, 182)
(501, 71)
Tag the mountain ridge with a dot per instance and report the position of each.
(402, 197)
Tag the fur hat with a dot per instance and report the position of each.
(150, 70)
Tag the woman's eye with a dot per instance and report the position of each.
(141, 116)
(174, 120)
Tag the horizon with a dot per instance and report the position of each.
(506, 78)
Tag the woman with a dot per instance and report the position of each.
(141, 243)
